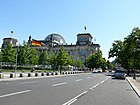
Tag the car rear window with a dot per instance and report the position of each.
(120, 71)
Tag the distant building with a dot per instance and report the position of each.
(83, 47)
(53, 42)
(11, 41)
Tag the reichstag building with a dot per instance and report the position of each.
(83, 47)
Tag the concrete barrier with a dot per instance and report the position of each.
(1, 76)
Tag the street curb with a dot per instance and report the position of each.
(39, 77)
(134, 87)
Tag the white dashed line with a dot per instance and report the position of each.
(93, 87)
(28, 82)
(88, 77)
(56, 79)
(11, 94)
(59, 84)
(79, 80)
(74, 99)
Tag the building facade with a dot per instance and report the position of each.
(83, 47)
(11, 41)
(53, 42)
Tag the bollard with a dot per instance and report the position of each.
(29, 74)
(36, 74)
(52, 73)
(47, 74)
(11, 75)
(42, 74)
(21, 75)
(56, 73)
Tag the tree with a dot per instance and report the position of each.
(0, 56)
(95, 60)
(53, 61)
(23, 54)
(8, 54)
(71, 61)
(62, 58)
(116, 48)
(43, 59)
(78, 63)
(127, 53)
(33, 56)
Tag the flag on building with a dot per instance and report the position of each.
(36, 43)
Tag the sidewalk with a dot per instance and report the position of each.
(134, 84)
(16, 76)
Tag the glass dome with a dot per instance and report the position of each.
(55, 38)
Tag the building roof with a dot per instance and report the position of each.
(85, 34)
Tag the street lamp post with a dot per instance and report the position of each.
(16, 60)
(136, 50)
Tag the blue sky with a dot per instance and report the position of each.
(106, 20)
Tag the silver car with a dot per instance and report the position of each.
(120, 74)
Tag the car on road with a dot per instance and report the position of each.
(99, 70)
(120, 74)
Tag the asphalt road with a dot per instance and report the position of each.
(85, 89)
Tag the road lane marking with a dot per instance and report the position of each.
(16, 93)
(102, 82)
(56, 79)
(28, 82)
(75, 98)
(59, 84)
(93, 87)
(88, 77)
(83, 93)
(79, 80)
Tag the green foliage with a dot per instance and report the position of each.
(0, 56)
(43, 59)
(8, 54)
(127, 53)
(52, 60)
(95, 60)
(33, 56)
(23, 54)
(71, 61)
(116, 48)
(78, 63)
(62, 58)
